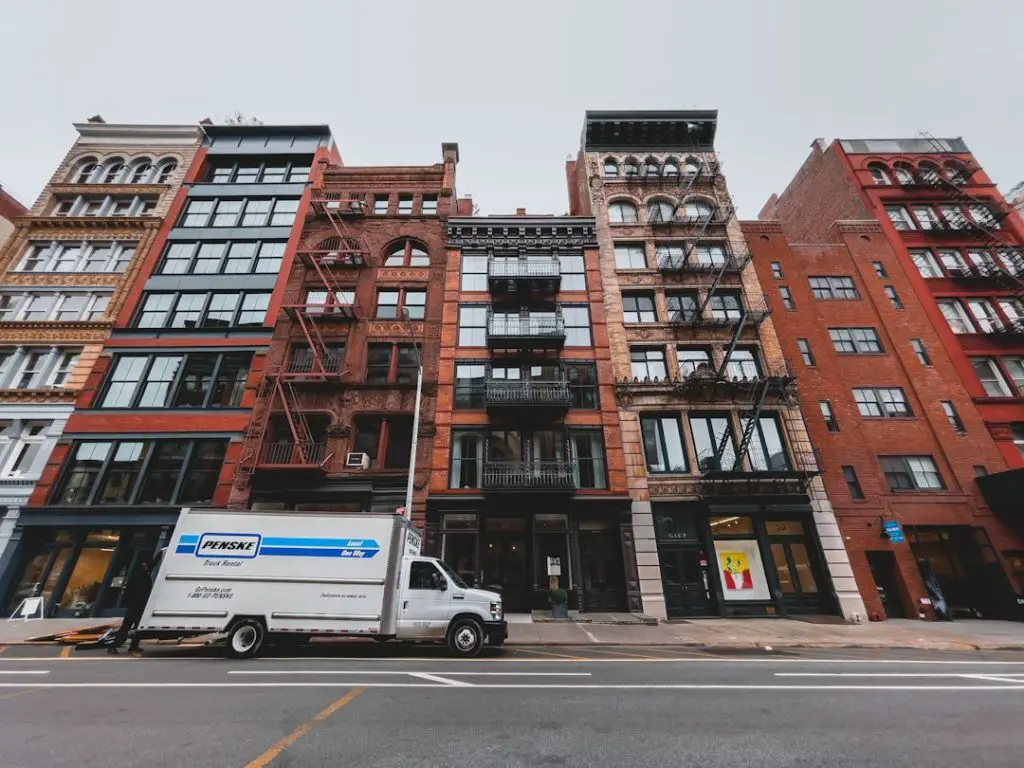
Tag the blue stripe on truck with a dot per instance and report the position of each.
(318, 552)
(280, 541)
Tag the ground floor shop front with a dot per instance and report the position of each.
(78, 564)
(749, 558)
(519, 549)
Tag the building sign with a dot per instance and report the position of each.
(893, 530)
(674, 525)
(741, 570)
(554, 566)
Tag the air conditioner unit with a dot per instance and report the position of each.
(357, 461)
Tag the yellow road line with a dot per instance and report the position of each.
(67, 652)
(20, 693)
(549, 653)
(271, 754)
(618, 653)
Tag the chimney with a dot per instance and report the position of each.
(520, 211)
(96, 119)
(450, 151)
(464, 206)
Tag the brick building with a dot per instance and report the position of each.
(333, 427)
(159, 422)
(527, 460)
(66, 270)
(728, 514)
(10, 209)
(906, 256)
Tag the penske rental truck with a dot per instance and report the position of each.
(290, 576)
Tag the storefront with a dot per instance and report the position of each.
(508, 551)
(740, 559)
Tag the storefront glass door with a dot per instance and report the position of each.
(794, 568)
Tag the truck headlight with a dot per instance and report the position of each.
(496, 611)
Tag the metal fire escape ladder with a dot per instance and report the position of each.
(732, 344)
(751, 425)
(714, 286)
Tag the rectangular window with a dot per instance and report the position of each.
(890, 402)
(407, 369)
(256, 213)
(833, 288)
(911, 473)
(767, 451)
(879, 268)
(956, 316)
(900, 217)
(397, 443)
(855, 341)
(132, 472)
(630, 256)
(682, 307)
(577, 325)
(429, 207)
(467, 459)
(953, 262)
(991, 378)
(378, 363)
(953, 216)
(663, 443)
(1015, 367)
(953, 417)
(925, 263)
(174, 381)
(197, 213)
(587, 448)
(474, 273)
(284, 213)
(472, 326)
(380, 204)
(725, 306)
(826, 413)
(470, 384)
(22, 444)
(648, 364)
(582, 380)
(743, 365)
(787, 298)
(209, 258)
(926, 218)
(693, 360)
(984, 314)
(806, 355)
(852, 483)
(921, 352)
(1017, 430)
(894, 297)
(227, 213)
(713, 442)
(405, 205)
(777, 270)
(638, 308)
(254, 309)
(574, 277)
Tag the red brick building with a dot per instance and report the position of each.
(895, 271)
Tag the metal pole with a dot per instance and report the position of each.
(415, 416)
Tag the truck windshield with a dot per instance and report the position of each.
(452, 575)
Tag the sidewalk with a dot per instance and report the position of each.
(963, 635)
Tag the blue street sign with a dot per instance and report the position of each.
(893, 530)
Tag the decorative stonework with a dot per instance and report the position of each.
(390, 273)
(524, 234)
(394, 331)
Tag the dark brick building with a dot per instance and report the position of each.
(894, 269)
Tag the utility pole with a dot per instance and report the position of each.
(415, 414)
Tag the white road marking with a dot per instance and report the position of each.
(393, 672)
(537, 686)
(588, 633)
(438, 679)
(885, 674)
(24, 671)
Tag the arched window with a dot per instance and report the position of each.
(692, 167)
(112, 171)
(407, 253)
(698, 210)
(631, 167)
(165, 169)
(86, 168)
(929, 173)
(903, 174)
(879, 174)
(622, 212)
(611, 168)
(660, 211)
(671, 167)
(141, 172)
(955, 173)
(651, 166)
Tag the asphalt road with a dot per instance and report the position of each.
(550, 706)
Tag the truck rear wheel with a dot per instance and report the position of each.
(245, 639)
(465, 638)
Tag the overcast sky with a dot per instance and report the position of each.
(510, 81)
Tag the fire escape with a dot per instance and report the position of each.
(321, 302)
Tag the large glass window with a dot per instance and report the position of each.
(474, 273)
(743, 365)
(991, 378)
(911, 472)
(622, 212)
(925, 263)
(195, 380)
(833, 288)
(573, 271)
(638, 308)
(588, 451)
(64, 256)
(713, 442)
(682, 307)
(956, 316)
(243, 257)
(582, 380)
(692, 360)
(882, 402)
(469, 385)
(472, 326)
(1015, 367)
(630, 256)
(648, 364)
(663, 443)
(766, 451)
(855, 341)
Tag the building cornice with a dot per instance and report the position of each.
(766, 227)
(137, 133)
(518, 232)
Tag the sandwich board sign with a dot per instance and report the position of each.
(30, 608)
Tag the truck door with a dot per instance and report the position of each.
(425, 602)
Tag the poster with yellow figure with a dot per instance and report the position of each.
(735, 571)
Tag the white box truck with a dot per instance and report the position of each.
(296, 575)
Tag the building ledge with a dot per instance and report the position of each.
(90, 222)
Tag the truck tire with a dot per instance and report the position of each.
(245, 639)
(465, 638)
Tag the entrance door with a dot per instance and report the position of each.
(685, 581)
(604, 579)
(884, 572)
(794, 569)
(506, 562)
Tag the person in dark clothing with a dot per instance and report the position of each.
(136, 595)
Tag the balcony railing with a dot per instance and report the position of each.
(1005, 328)
(720, 318)
(308, 364)
(510, 275)
(501, 393)
(340, 203)
(526, 331)
(530, 476)
(698, 265)
(292, 455)
(778, 475)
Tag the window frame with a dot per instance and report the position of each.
(630, 251)
(290, 167)
(646, 361)
(803, 346)
(828, 415)
(854, 341)
(882, 399)
(203, 312)
(627, 212)
(52, 252)
(238, 216)
(417, 310)
(661, 464)
(651, 313)
(921, 352)
(833, 287)
(177, 382)
(997, 378)
(413, 252)
(258, 261)
(853, 486)
(901, 465)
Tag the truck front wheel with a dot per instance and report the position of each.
(465, 638)
(245, 639)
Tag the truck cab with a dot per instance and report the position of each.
(436, 604)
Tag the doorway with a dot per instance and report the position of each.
(797, 573)
(506, 562)
(684, 577)
(885, 574)
(601, 565)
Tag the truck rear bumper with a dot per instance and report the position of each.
(496, 630)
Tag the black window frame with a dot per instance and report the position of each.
(803, 346)
(787, 298)
(905, 470)
(833, 287)
(828, 415)
(657, 421)
(953, 417)
(254, 259)
(482, 309)
(777, 271)
(880, 270)
(646, 361)
(239, 216)
(468, 392)
(853, 486)
(221, 364)
(894, 298)
(633, 299)
(290, 166)
(204, 311)
(851, 331)
(921, 352)
(880, 402)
